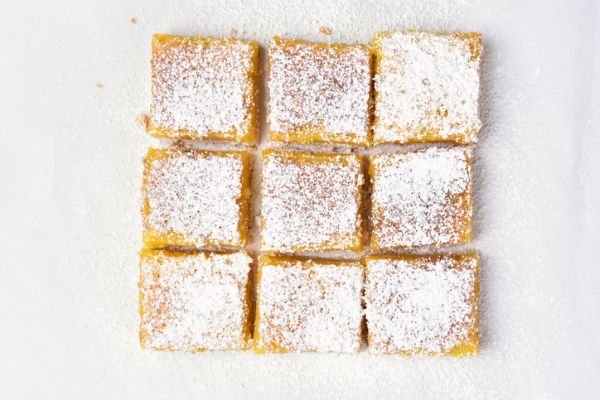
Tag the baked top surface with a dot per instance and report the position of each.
(426, 87)
(194, 300)
(203, 88)
(319, 92)
(311, 202)
(422, 304)
(421, 198)
(194, 198)
(307, 305)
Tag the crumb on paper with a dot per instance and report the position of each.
(143, 121)
(325, 30)
(179, 144)
(233, 32)
(133, 20)
(99, 85)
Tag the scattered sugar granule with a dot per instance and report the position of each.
(194, 301)
(318, 92)
(306, 305)
(311, 202)
(421, 198)
(195, 198)
(422, 304)
(426, 87)
(203, 88)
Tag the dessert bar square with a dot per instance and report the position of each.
(423, 304)
(308, 305)
(195, 198)
(421, 198)
(311, 202)
(194, 301)
(319, 93)
(203, 88)
(426, 87)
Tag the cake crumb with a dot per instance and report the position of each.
(143, 121)
(233, 33)
(325, 30)
(133, 20)
(99, 86)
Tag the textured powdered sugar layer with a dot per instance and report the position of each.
(194, 301)
(425, 83)
(319, 85)
(310, 203)
(421, 198)
(304, 306)
(422, 305)
(195, 195)
(201, 86)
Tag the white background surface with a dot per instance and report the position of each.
(70, 229)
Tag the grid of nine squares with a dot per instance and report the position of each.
(255, 151)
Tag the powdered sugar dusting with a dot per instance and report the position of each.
(310, 203)
(307, 306)
(422, 304)
(426, 84)
(195, 195)
(421, 198)
(194, 301)
(325, 87)
(202, 87)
